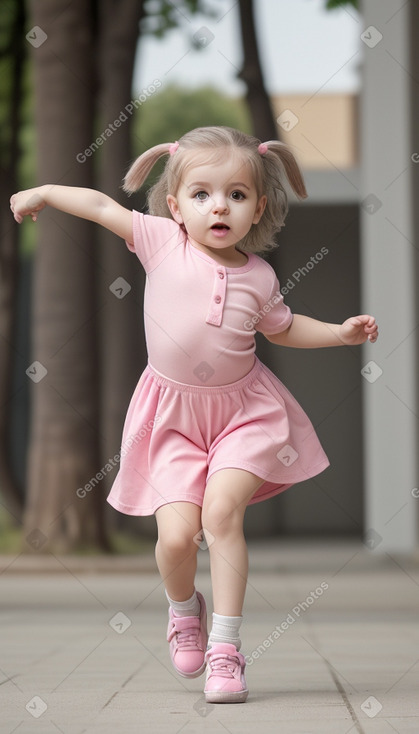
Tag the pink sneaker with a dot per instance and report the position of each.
(188, 638)
(225, 675)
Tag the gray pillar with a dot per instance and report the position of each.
(388, 260)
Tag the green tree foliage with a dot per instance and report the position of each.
(172, 112)
(161, 16)
(332, 4)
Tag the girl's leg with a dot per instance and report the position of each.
(226, 497)
(176, 549)
(225, 500)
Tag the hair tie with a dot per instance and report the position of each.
(173, 147)
(262, 148)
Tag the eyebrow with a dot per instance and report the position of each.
(205, 183)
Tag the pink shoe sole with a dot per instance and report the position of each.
(225, 675)
(226, 696)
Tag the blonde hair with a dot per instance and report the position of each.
(270, 163)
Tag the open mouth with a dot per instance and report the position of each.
(220, 227)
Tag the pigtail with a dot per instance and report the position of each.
(142, 166)
(289, 164)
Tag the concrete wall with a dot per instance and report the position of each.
(389, 265)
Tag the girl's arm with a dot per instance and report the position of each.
(84, 203)
(307, 333)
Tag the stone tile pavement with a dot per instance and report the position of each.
(331, 633)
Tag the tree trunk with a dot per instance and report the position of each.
(9, 263)
(263, 120)
(122, 355)
(63, 454)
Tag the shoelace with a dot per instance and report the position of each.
(186, 639)
(224, 666)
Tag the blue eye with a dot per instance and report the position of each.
(201, 196)
(237, 195)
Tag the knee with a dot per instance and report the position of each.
(222, 516)
(178, 543)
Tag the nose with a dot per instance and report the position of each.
(219, 203)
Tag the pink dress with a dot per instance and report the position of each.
(205, 402)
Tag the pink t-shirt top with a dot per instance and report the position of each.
(201, 317)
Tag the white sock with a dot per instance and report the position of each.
(225, 629)
(189, 608)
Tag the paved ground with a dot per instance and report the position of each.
(332, 632)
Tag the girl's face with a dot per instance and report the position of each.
(217, 203)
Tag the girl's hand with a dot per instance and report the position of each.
(27, 203)
(358, 329)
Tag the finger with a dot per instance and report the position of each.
(364, 318)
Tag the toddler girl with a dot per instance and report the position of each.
(209, 429)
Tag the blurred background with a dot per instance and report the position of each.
(87, 86)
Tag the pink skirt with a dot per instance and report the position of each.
(176, 436)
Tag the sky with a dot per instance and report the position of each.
(304, 48)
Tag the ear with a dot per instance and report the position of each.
(172, 203)
(260, 208)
